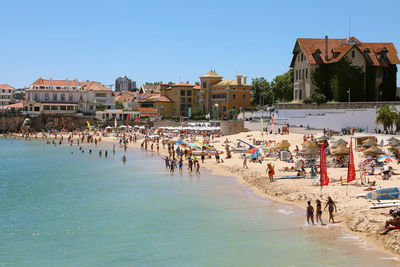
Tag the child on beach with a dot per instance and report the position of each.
(270, 171)
(310, 213)
(318, 216)
(198, 168)
(332, 206)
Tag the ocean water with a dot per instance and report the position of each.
(63, 209)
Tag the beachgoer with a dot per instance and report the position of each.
(391, 224)
(270, 171)
(318, 215)
(198, 168)
(332, 207)
(123, 158)
(310, 213)
(245, 162)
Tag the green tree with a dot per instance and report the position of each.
(282, 86)
(198, 113)
(387, 116)
(261, 92)
(101, 107)
(119, 105)
(315, 97)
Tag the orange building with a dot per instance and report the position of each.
(219, 96)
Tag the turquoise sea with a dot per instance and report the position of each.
(63, 209)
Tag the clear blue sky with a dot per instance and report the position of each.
(174, 40)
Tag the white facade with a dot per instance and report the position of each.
(6, 93)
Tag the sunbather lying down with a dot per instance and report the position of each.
(287, 169)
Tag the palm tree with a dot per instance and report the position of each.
(387, 116)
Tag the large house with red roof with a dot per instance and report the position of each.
(377, 61)
(67, 96)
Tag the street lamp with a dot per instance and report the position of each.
(349, 96)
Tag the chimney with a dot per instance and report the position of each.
(244, 79)
(239, 79)
(326, 47)
(51, 83)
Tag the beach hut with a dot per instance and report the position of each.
(324, 138)
(308, 143)
(309, 152)
(340, 142)
(368, 143)
(283, 145)
(340, 151)
(373, 151)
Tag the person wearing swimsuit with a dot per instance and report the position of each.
(332, 206)
(310, 213)
(318, 216)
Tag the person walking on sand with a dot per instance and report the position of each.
(198, 168)
(318, 215)
(245, 162)
(270, 172)
(331, 207)
(310, 213)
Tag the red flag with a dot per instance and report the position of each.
(127, 121)
(324, 173)
(351, 171)
(62, 118)
(272, 119)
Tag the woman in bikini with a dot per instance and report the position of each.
(318, 216)
(310, 213)
(332, 206)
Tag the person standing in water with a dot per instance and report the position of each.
(318, 215)
(310, 213)
(331, 207)
(124, 159)
(114, 149)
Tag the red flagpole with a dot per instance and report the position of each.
(62, 118)
(127, 122)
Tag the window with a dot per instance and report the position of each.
(244, 98)
(303, 74)
(204, 84)
(182, 92)
(234, 96)
(353, 54)
(54, 97)
(63, 107)
(70, 108)
(46, 97)
(46, 107)
(62, 97)
(70, 97)
(91, 107)
(306, 73)
(189, 93)
(37, 108)
(54, 108)
(224, 108)
(81, 98)
(234, 107)
(296, 76)
(36, 97)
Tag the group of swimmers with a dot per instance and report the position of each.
(318, 213)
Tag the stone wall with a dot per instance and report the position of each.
(232, 127)
(13, 122)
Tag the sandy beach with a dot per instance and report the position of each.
(352, 213)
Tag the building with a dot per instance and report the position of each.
(67, 96)
(123, 83)
(377, 61)
(219, 96)
(117, 114)
(126, 100)
(6, 95)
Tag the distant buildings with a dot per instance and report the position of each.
(67, 96)
(6, 95)
(376, 60)
(123, 83)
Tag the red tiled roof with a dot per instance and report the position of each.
(88, 85)
(94, 86)
(197, 87)
(6, 86)
(16, 105)
(309, 46)
(182, 84)
(156, 98)
(123, 98)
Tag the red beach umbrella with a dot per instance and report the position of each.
(251, 150)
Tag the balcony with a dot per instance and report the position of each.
(221, 99)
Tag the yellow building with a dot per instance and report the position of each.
(219, 96)
(175, 99)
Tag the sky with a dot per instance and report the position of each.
(174, 40)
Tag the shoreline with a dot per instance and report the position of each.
(249, 178)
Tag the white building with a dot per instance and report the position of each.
(69, 96)
(6, 92)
